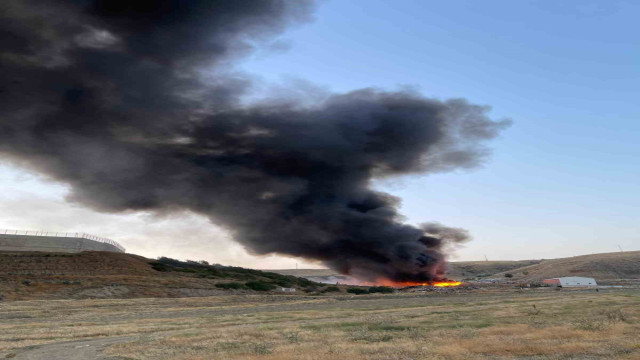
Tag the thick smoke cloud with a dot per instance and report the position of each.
(135, 105)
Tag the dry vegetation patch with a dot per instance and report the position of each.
(471, 326)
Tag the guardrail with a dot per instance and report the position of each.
(63, 234)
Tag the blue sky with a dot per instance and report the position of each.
(562, 181)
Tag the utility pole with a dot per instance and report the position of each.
(619, 247)
(485, 258)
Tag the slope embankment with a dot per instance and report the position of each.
(96, 274)
(607, 266)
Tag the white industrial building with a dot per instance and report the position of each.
(570, 281)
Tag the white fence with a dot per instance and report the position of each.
(63, 234)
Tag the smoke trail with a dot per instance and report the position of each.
(134, 105)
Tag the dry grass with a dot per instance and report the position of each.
(566, 325)
(609, 266)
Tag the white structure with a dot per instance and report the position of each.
(289, 290)
(571, 281)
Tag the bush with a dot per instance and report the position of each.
(284, 283)
(357, 291)
(26, 282)
(305, 282)
(259, 285)
(203, 269)
(231, 285)
(508, 275)
(158, 266)
(381, 289)
(331, 289)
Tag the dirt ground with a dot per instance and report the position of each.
(534, 324)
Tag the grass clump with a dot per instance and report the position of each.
(614, 315)
(262, 349)
(590, 324)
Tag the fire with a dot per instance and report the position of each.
(447, 283)
(442, 283)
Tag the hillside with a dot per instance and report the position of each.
(456, 270)
(470, 269)
(607, 266)
(93, 274)
(37, 275)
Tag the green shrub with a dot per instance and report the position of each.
(284, 283)
(231, 285)
(331, 289)
(381, 289)
(158, 266)
(202, 269)
(357, 291)
(508, 275)
(306, 282)
(259, 285)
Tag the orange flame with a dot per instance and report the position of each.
(447, 283)
(443, 283)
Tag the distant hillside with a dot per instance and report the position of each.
(607, 266)
(456, 270)
(39, 275)
(470, 269)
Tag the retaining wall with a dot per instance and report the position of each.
(52, 244)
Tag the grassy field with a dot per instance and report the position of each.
(535, 324)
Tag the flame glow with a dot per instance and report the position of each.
(447, 283)
(442, 283)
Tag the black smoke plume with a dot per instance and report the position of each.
(135, 105)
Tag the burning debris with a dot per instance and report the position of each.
(443, 282)
(135, 106)
(435, 289)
